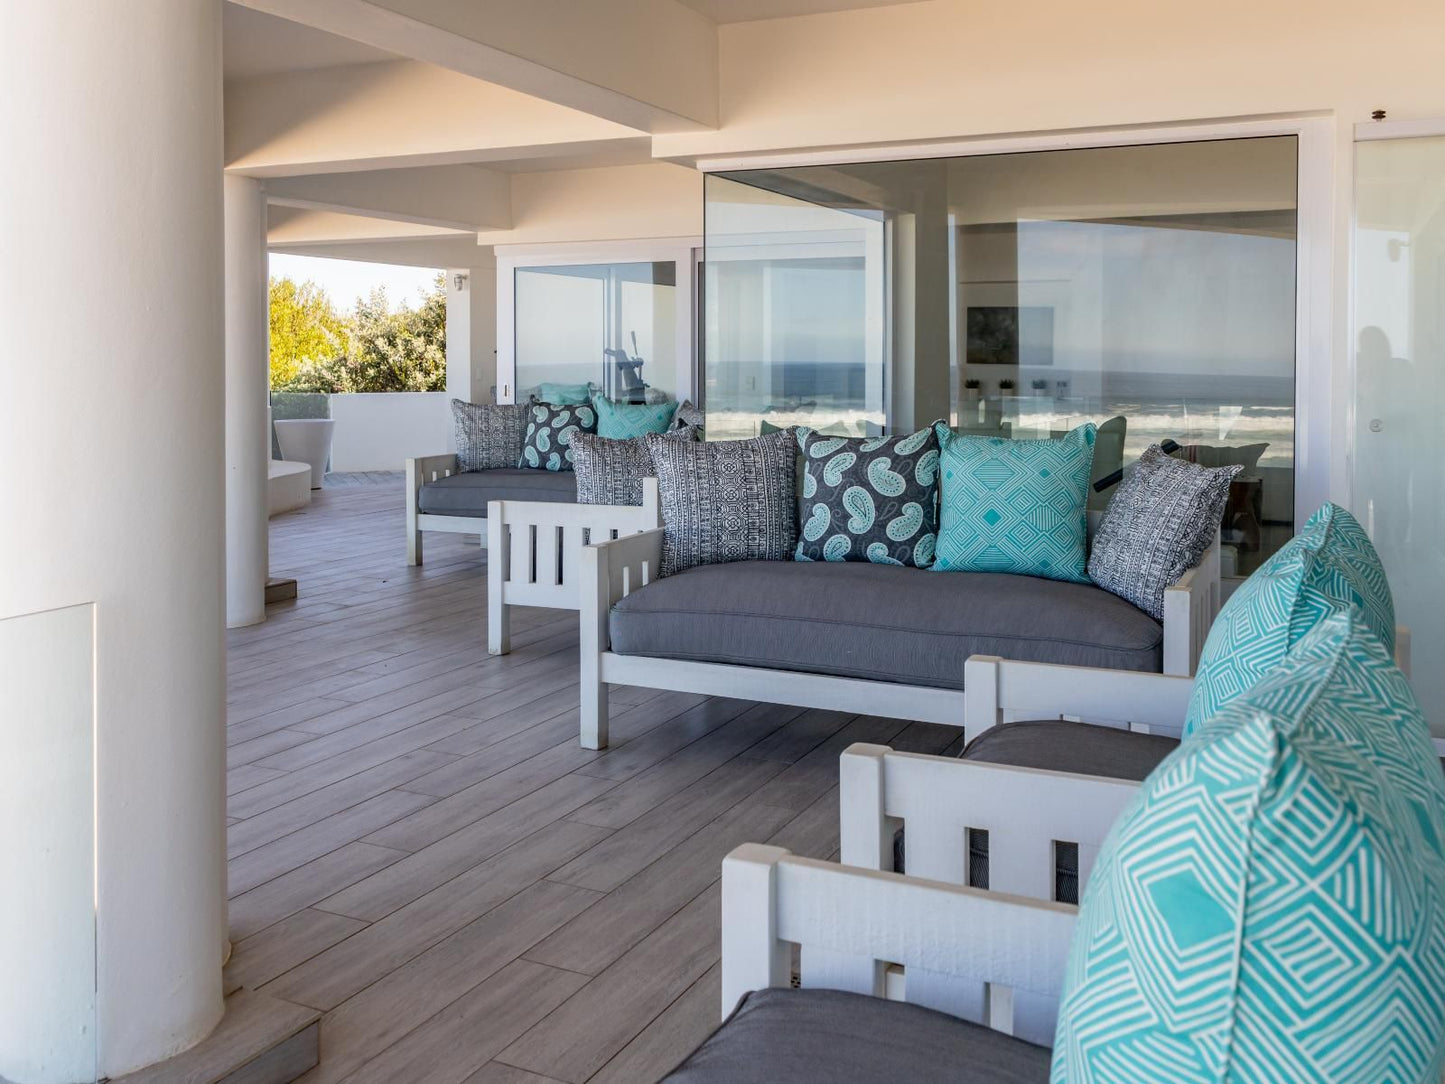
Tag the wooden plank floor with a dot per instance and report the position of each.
(420, 849)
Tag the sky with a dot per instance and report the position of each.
(346, 280)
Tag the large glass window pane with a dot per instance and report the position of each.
(793, 322)
(613, 326)
(1399, 482)
(1148, 289)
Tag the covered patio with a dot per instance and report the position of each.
(419, 849)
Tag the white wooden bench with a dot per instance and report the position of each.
(612, 570)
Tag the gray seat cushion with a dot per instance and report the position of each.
(878, 621)
(467, 494)
(1059, 746)
(829, 1037)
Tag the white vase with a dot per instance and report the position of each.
(306, 440)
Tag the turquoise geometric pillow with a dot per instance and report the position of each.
(1271, 907)
(1329, 566)
(1015, 505)
(564, 394)
(622, 421)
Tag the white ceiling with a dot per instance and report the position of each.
(743, 11)
(258, 44)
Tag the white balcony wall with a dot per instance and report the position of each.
(380, 430)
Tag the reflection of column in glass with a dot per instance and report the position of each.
(1399, 480)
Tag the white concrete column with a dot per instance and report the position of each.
(248, 438)
(111, 535)
(471, 333)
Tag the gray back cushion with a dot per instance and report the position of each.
(488, 435)
(729, 500)
(1158, 524)
(610, 471)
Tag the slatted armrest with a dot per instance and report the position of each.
(959, 950)
(534, 552)
(610, 571)
(1190, 607)
(419, 471)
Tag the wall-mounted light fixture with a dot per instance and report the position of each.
(459, 282)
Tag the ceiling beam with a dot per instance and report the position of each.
(451, 197)
(651, 65)
(395, 114)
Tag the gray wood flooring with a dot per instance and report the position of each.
(420, 850)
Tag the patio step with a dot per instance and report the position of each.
(260, 1040)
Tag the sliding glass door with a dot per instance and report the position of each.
(1149, 289)
(613, 326)
(1399, 474)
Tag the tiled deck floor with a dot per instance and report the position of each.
(419, 847)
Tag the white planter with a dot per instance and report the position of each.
(306, 440)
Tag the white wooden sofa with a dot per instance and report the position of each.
(611, 571)
(535, 546)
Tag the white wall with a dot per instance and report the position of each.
(381, 430)
(950, 69)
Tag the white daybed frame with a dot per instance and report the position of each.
(886, 935)
(534, 545)
(613, 570)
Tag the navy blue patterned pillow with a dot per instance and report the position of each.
(869, 498)
(550, 429)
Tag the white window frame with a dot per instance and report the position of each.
(675, 250)
(1323, 375)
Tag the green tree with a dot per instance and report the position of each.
(306, 330)
(377, 348)
(402, 349)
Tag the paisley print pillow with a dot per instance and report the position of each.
(550, 429)
(869, 498)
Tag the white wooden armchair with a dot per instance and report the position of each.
(970, 953)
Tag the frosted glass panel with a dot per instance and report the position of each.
(1399, 483)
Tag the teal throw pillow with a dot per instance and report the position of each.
(1271, 906)
(564, 394)
(1015, 506)
(622, 421)
(1328, 566)
(869, 499)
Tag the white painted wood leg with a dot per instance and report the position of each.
(499, 622)
(595, 606)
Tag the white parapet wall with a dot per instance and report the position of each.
(379, 430)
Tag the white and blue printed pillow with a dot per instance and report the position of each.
(1329, 566)
(1271, 906)
(550, 429)
(869, 498)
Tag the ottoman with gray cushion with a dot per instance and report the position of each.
(467, 493)
(830, 1037)
(1055, 745)
(879, 622)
